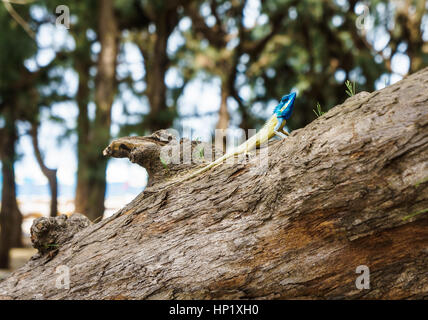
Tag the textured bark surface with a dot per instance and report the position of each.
(48, 234)
(334, 197)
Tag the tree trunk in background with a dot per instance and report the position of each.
(156, 67)
(156, 62)
(10, 216)
(50, 174)
(409, 26)
(91, 185)
(349, 189)
(83, 130)
(105, 88)
(223, 113)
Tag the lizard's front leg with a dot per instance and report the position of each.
(278, 130)
(285, 132)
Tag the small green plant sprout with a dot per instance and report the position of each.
(53, 245)
(318, 112)
(164, 164)
(201, 152)
(351, 88)
(417, 184)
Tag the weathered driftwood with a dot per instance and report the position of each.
(162, 155)
(334, 197)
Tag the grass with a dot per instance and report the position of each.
(351, 88)
(318, 111)
(201, 152)
(164, 164)
(350, 92)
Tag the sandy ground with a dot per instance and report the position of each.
(18, 257)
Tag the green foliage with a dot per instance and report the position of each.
(15, 45)
(308, 53)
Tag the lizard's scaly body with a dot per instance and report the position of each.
(265, 133)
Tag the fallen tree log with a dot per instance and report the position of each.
(348, 190)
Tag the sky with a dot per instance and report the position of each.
(198, 95)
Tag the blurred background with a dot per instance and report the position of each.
(76, 74)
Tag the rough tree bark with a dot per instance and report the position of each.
(334, 197)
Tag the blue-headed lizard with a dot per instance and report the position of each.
(273, 126)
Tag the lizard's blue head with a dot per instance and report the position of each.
(285, 107)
